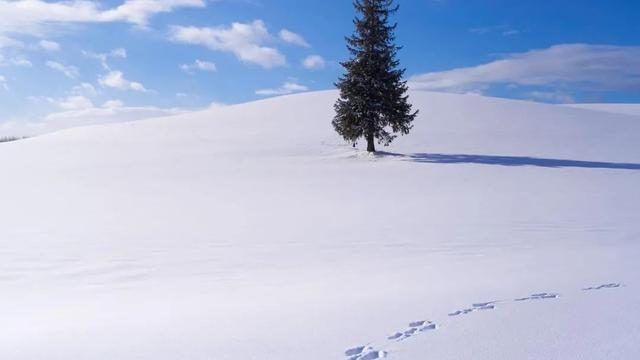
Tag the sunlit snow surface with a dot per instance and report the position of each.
(254, 232)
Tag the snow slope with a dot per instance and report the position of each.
(625, 109)
(253, 232)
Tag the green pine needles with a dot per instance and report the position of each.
(373, 100)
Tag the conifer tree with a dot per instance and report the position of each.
(373, 101)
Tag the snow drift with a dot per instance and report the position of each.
(253, 232)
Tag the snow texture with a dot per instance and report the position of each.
(498, 229)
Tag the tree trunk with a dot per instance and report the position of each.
(371, 144)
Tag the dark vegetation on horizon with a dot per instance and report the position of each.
(4, 139)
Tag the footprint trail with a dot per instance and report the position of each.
(491, 305)
(364, 352)
(539, 296)
(414, 328)
(368, 352)
(604, 286)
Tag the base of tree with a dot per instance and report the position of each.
(371, 145)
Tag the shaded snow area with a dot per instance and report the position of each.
(498, 229)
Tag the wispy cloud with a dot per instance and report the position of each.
(116, 80)
(3, 83)
(69, 71)
(120, 53)
(112, 111)
(511, 32)
(74, 102)
(84, 89)
(580, 66)
(8, 42)
(35, 16)
(15, 61)
(286, 88)
(505, 30)
(201, 65)
(314, 62)
(78, 97)
(552, 97)
(292, 38)
(49, 45)
(244, 40)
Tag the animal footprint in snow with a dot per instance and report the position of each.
(604, 286)
(475, 307)
(409, 333)
(485, 306)
(539, 296)
(414, 327)
(423, 325)
(364, 353)
(373, 355)
(461, 312)
(428, 327)
(355, 351)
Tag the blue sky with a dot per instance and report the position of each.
(62, 63)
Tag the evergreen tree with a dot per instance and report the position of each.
(373, 100)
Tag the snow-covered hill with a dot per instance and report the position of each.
(625, 109)
(253, 232)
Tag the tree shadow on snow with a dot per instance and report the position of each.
(517, 161)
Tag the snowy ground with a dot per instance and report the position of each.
(253, 232)
(624, 109)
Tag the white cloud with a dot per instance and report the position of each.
(286, 88)
(552, 96)
(49, 45)
(293, 38)
(84, 89)
(16, 61)
(139, 11)
(135, 86)
(216, 105)
(21, 62)
(314, 62)
(245, 41)
(36, 16)
(120, 53)
(100, 57)
(3, 83)
(105, 114)
(115, 79)
(505, 30)
(68, 71)
(113, 104)
(8, 42)
(582, 66)
(74, 102)
(13, 128)
(201, 65)
(112, 111)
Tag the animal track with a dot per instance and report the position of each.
(605, 286)
(414, 327)
(365, 352)
(417, 323)
(476, 307)
(539, 296)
